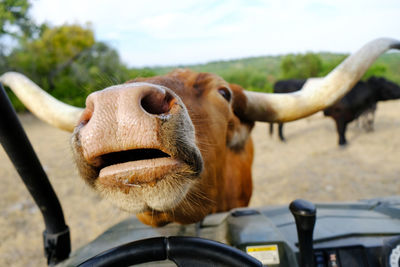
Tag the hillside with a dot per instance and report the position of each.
(260, 73)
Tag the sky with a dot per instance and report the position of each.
(181, 32)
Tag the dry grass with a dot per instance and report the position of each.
(310, 165)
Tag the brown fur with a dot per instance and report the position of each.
(221, 135)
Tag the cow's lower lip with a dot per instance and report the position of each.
(137, 173)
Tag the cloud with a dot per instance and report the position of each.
(181, 32)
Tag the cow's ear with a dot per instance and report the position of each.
(238, 127)
(239, 101)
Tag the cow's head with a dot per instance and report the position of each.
(158, 145)
(177, 147)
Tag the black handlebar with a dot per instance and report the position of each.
(19, 150)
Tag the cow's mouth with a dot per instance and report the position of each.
(136, 167)
(131, 155)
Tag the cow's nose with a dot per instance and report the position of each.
(125, 117)
(152, 101)
(157, 102)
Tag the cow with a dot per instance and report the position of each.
(284, 87)
(359, 103)
(177, 147)
(360, 100)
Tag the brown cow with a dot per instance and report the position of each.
(177, 147)
(145, 143)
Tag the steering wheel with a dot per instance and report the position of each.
(183, 251)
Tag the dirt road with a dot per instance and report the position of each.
(310, 165)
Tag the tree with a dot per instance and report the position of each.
(56, 49)
(14, 18)
(67, 62)
(15, 25)
(96, 68)
(301, 66)
(47, 57)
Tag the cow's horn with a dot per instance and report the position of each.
(40, 103)
(318, 93)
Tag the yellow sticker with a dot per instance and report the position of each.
(267, 254)
(261, 248)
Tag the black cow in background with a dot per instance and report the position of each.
(285, 86)
(362, 99)
(364, 96)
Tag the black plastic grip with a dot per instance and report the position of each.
(19, 150)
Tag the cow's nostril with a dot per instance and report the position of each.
(157, 102)
(86, 116)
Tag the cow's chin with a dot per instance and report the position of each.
(136, 187)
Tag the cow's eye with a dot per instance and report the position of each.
(225, 93)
